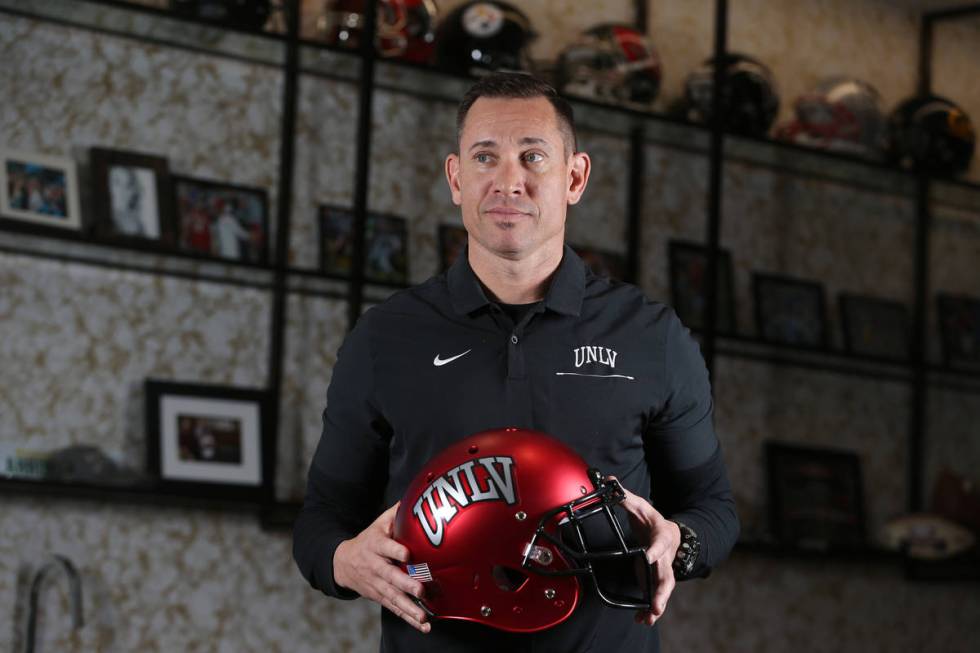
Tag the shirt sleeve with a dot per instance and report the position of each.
(689, 481)
(349, 471)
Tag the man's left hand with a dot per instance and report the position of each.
(662, 538)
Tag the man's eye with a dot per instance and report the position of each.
(482, 158)
(533, 157)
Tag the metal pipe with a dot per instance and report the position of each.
(74, 594)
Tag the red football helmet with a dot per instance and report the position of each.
(841, 113)
(611, 62)
(494, 529)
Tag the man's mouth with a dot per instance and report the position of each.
(506, 211)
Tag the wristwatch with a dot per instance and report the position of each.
(687, 552)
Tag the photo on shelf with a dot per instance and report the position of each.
(790, 311)
(452, 242)
(208, 440)
(133, 197)
(386, 257)
(610, 265)
(875, 327)
(816, 499)
(223, 220)
(688, 275)
(39, 189)
(959, 324)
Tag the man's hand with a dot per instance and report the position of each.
(365, 564)
(662, 538)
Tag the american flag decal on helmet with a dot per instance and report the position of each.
(419, 572)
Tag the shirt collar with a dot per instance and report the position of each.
(564, 295)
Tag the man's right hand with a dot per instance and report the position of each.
(365, 564)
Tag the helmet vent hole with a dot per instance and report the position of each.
(508, 579)
(474, 449)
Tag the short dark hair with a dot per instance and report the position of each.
(521, 86)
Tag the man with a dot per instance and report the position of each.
(516, 333)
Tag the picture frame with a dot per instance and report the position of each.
(386, 255)
(133, 198)
(959, 327)
(816, 497)
(221, 220)
(39, 190)
(452, 242)
(210, 440)
(875, 327)
(688, 265)
(790, 311)
(610, 265)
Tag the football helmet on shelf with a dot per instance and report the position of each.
(243, 14)
(611, 62)
(405, 28)
(749, 99)
(841, 113)
(931, 134)
(502, 528)
(483, 35)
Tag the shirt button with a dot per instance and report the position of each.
(513, 338)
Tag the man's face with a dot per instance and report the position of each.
(513, 178)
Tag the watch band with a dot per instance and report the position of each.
(687, 552)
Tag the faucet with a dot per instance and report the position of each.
(75, 593)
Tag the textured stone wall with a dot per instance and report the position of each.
(77, 341)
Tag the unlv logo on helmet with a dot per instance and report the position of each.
(487, 479)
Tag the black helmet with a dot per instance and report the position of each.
(490, 35)
(931, 134)
(611, 62)
(749, 100)
(243, 14)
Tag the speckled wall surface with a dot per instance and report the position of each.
(79, 340)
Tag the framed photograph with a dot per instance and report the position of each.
(209, 440)
(603, 263)
(452, 241)
(816, 499)
(386, 258)
(39, 189)
(790, 311)
(133, 197)
(688, 287)
(223, 220)
(959, 324)
(875, 327)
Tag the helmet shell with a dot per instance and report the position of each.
(468, 516)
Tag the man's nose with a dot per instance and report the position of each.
(510, 178)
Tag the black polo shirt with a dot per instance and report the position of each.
(595, 363)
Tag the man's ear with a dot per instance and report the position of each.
(578, 176)
(452, 176)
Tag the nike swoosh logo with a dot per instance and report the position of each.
(442, 361)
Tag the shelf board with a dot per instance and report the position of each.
(865, 555)
(157, 26)
(148, 493)
(132, 256)
(826, 360)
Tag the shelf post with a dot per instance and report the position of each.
(284, 203)
(363, 164)
(715, 175)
